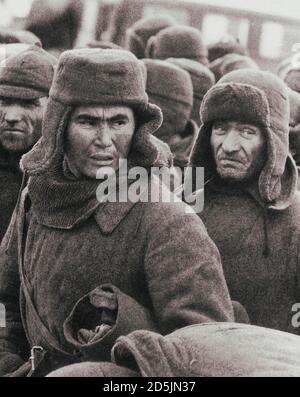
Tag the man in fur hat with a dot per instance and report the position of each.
(178, 41)
(251, 206)
(178, 130)
(69, 242)
(25, 80)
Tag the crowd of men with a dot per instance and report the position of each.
(95, 286)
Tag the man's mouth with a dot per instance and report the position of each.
(230, 161)
(14, 130)
(102, 158)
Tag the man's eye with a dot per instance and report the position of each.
(118, 123)
(219, 129)
(86, 122)
(248, 132)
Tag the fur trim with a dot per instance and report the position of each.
(48, 152)
(95, 76)
(178, 42)
(261, 99)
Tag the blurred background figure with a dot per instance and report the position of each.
(178, 42)
(9, 36)
(227, 45)
(202, 78)
(103, 44)
(177, 129)
(292, 77)
(8, 50)
(230, 62)
(138, 34)
(25, 80)
(294, 137)
(55, 22)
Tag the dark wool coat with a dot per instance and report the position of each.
(10, 184)
(256, 228)
(154, 252)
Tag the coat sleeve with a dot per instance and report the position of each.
(183, 270)
(13, 343)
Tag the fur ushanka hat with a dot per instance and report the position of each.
(258, 98)
(139, 33)
(97, 77)
(27, 74)
(202, 79)
(178, 41)
(171, 89)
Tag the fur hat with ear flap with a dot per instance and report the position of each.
(258, 98)
(178, 42)
(97, 77)
(202, 79)
(139, 33)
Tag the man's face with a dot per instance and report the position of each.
(97, 138)
(20, 123)
(238, 149)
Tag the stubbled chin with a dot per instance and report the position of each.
(231, 174)
(15, 145)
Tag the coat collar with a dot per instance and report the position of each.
(109, 215)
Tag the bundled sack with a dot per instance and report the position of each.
(100, 317)
(210, 350)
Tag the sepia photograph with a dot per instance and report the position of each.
(149, 191)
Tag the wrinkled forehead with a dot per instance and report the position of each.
(22, 102)
(237, 123)
(103, 112)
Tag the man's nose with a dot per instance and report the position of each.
(231, 142)
(103, 136)
(13, 114)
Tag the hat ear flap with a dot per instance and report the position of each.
(151, 48)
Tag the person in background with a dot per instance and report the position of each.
(178, 130)
(9, 36)
(178, 42)
(202, 80)
(230, 62)
(139, 33)
(251, 203)
(56, 23)
(294, 136)
(227, 45)
(25, 80)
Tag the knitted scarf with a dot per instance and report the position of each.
(62, 201)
